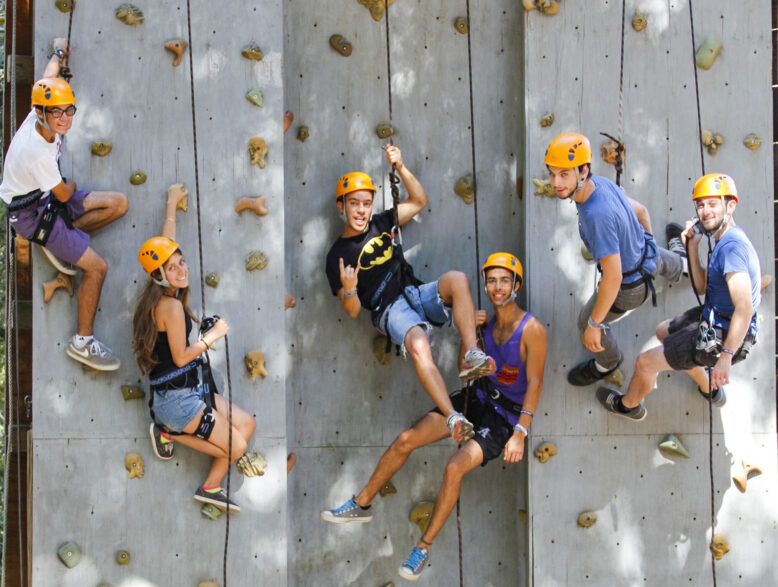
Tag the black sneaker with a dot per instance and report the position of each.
(719, 397)
(587, 373)
(218, 498)
(608, 397)
(674, 241)
(163, 451)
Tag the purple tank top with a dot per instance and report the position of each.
(510, 378)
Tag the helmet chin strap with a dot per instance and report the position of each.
(44, 123)
(579, 182)
(510, 298)
(163, 282)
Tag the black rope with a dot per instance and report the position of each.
(64, 70)
(472, 154)
(202, 287)
(696, 93)
(394, 181)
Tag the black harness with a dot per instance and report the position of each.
(485, 384)
(645, 277)
(47, 219)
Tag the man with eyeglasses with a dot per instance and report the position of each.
(47, 208)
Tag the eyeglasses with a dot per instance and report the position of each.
(493, 281)
(58, 112)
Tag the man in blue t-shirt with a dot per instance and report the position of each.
(617, 231)
(717, 334)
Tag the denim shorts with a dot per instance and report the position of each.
(426, 307)
(175, 408)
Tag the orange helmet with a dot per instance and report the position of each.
(568, 150)
(52, 91)
(155, 252)
(505, 261)
(714, 185)
(351, 182)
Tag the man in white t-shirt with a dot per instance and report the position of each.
(48, 209)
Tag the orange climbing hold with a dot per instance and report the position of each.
(177, 47)
(60, 281)
(256, 205)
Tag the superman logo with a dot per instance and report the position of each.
(508, 375)
(376, 251)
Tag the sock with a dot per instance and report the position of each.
(363, 508)
(685, 265)
(214, 489)
(600, 368)
(621, 407)
(164, 438)
(81, 341)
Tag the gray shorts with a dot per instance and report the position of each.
(68, 244)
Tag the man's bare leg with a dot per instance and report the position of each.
(95, 269)
(418, 345)
(101, 208)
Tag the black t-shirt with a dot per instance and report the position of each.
(378, 279)
(165, 363)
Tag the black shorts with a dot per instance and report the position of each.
(680, 345)
(492, 431)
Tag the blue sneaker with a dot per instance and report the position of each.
(414, 565)
(348, 512)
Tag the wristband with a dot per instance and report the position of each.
(520, 428)
(599, 325)
(207, 346)
(350, 293)
(530, 414)
(58, 52)
(729, 352)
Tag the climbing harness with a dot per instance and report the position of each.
(485, 384)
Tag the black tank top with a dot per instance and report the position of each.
(165, 362)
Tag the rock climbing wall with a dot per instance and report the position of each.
(654, 511)
(130, 93)
(344, 408)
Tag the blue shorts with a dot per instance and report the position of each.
(175, 408)
(426, 307)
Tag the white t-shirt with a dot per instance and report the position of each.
(31, 163)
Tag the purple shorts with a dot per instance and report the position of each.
(69, 244)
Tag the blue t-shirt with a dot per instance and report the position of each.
(608, 225)
(732, 253)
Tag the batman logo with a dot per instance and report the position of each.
(376, 251)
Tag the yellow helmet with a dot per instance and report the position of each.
(351, 182)
(714, 185)
(52, 91)
(155, 252)
(505, 261)
(568, 150)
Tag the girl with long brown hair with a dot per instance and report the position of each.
(185, 408)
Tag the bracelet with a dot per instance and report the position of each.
(520, 428)
(729, 352)
(171, 219)
(350, 293)
(58, 52)
(530, 414)
(599, 325)
(207, 346)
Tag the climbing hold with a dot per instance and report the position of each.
(547, 7)
(421, 514)
(210, 512)
(252, 52)
(132, 392)
(63, 5)
(767, 279)
(377, 8)
(711, 140)
(464, 188)
(288, 119)
(183, 204)
(460, 24)
(752, 142)
(543, 188)
(384, 131)
(706, 136)
(547, 120)
(129, 14)
(291, 460)
(379, 350)
(252, 464)
(545, 451)
(610, 152)
(101, 148)
(587, 519)
(70, 554)
(210, 583)
(257, 151)
(617, 377)
(255, 363)
(639, 21)
(212, 279)
(671, 444)
(256, 205)
(61, 280)
(707, 52)
(586, 254)
(138, 178)
(387, 489)
(749, 470)
(255, 97)
(177, 47)
(719, 546)
(340, 45)
(523, 516)
(289, 302)
(123, 557)
(303, 134)
(256, 260)
(134, 464)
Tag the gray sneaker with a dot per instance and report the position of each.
(460, 427)
(674, 241)
(94, 354)
(58, 263)
(348, 512)
(163, 451)
(476, 363)
(608, 397)
(413, 566)
(217, 498)
(719, 396)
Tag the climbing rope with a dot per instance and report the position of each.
(64, 70)
(619, 162)
(202, 289)
(394, 181)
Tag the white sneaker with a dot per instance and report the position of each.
(94, 354)
(57, 263)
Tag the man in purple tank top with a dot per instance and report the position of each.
(500, 407)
